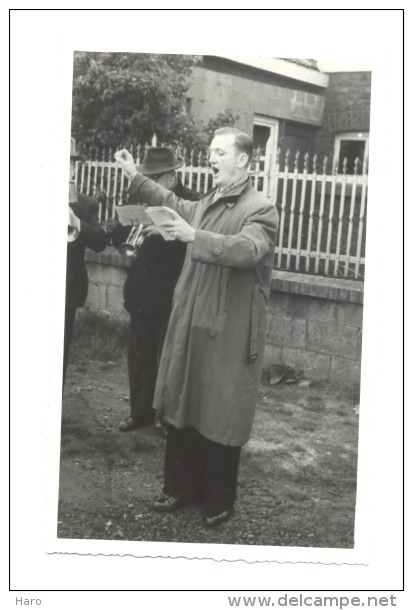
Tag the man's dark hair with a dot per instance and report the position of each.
(243, 142)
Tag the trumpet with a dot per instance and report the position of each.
(130, 247)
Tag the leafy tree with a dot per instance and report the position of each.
(197, 137)
(120, 99)
(224, 118)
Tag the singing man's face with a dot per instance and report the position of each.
(227, 163)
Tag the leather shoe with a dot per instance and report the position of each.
(169, 504)
(132, 423)
(128, 424)
(214, 520)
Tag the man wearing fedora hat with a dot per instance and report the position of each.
(84, 217)
(148, 290)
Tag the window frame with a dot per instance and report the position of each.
(270, 160)
(356, 136)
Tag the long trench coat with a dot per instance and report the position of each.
(211, 363)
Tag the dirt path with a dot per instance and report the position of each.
(297, 482)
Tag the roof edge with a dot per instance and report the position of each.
(283, 68)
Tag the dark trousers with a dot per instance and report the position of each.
(199, 469)
(70, 313)
(146, 339)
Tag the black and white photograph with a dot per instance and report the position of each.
(211, 389)
(211, 308)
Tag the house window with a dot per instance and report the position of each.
(265, 138)
(351, 146)
(265, 134)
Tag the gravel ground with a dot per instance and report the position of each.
(297, 480)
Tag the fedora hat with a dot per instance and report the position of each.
(158, 161)
(73, 154)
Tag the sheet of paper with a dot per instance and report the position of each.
(159, 215)
(133, 215)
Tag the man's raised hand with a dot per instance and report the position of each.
(125, 160)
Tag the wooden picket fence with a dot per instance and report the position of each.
(322, 226)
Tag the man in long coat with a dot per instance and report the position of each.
(148, 290)
(211, 364)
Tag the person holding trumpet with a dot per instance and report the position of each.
(149, 287)
(83, 230)
(211, 363)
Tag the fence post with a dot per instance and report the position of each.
(340, 216)
(321, 214)
(310, 223)
(331, 217)
(351, 217)
(361, 220)
(292, 209)
(283, 205)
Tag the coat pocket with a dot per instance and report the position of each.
(258, 295)
(219, 305)
(223, 294)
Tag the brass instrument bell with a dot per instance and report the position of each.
(130, 247)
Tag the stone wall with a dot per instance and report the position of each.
(107, 274)
(314, 323)
(343, 107)
(214, 88)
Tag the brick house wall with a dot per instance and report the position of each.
(301, 108)
(346, 109)
(218, 84)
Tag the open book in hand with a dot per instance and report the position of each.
(140, 214)
(159, 215)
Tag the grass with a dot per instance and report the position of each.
(98, 337)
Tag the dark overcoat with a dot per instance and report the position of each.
(92, 236)
(211, 363)
(152, 276)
